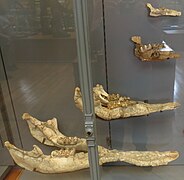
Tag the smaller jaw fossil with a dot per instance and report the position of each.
(48, 134)
(152, 52)
(162, 11)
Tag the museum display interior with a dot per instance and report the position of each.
(137, 67)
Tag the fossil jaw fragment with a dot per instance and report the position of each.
(162, 11)
(120, 107)
(152, 52)
(48, 134)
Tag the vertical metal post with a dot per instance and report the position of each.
(83, 47)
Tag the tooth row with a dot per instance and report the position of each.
(68, 140)
(146, 47)
(63, 153)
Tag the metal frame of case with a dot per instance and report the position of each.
(83, 49)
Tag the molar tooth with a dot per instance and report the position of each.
(75, 139)
(149, 46)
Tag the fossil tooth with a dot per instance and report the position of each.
(149, 46)
(141, 49)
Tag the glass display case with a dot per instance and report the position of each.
(70, 60)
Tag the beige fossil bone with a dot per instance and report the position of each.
(68, 160)
(162, 11)
(48, 134)
(113, 106)
(152, 52)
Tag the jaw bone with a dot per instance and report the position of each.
(121, 107)
(48, 134)
(152, 52)
(61, 161)
(67, 159)
(162, 11)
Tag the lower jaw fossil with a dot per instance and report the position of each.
(74, 156)
(162, 11)
(155, 55)
(120, 107)
(61, 161)
(140, 109)
(152, 52)
(47, 133)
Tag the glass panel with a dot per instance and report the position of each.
(8, 125)
(98, 62)
(40, 57)
(155, 82)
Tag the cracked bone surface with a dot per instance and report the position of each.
(113, 106)
(60, 161)
(162, 11)
(76, 157)
(152, 52)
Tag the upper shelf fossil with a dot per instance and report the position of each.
(152, 52)
(73, 155)
(113, 106)
(162, 11)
